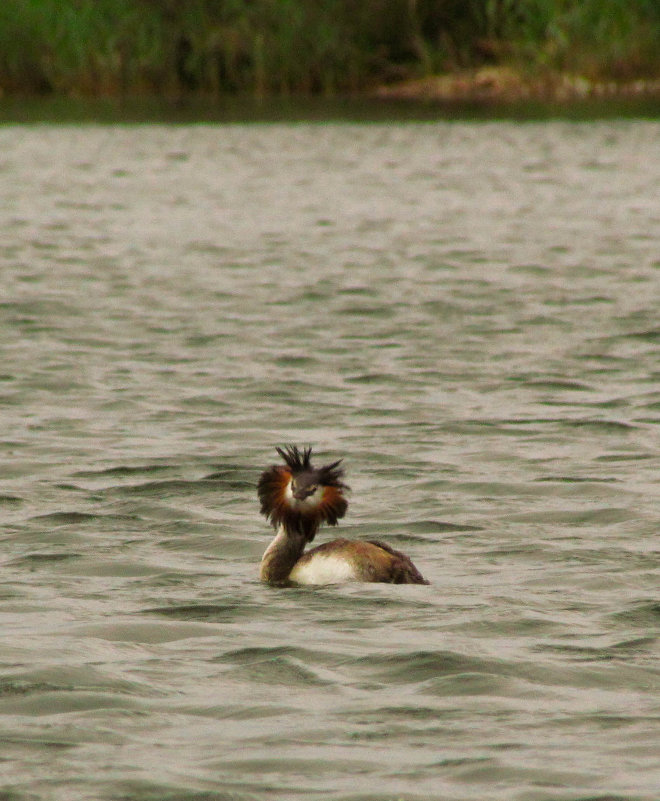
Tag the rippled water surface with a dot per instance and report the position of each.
(468, 314)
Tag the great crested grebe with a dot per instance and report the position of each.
(297, 498)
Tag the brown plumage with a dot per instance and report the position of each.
(297, 498)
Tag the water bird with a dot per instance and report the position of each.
(297, 498)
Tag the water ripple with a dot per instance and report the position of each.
(467, 313)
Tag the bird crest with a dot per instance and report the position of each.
(278, 506)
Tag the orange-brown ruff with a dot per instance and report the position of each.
(297, 498)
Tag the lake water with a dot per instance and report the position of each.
(468, 314)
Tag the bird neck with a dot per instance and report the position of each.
(282, 554)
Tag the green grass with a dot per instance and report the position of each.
(105, 47)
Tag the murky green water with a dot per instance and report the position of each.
(240, 108)
(468, 313)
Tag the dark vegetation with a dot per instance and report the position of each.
(275, 47)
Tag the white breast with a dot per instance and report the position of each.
(323, 569)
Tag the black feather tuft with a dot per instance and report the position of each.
(296, 460)
(330, 475)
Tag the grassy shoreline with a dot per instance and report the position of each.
(421, 49)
